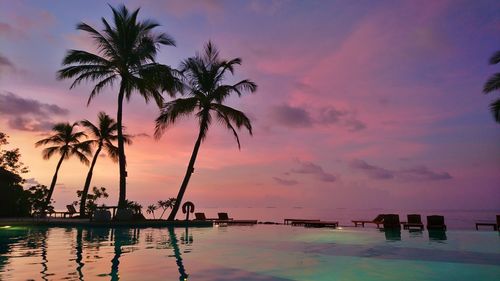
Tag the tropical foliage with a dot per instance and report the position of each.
(493, 84)
(103, 135)
(203, 78)
(66, 143)
(127, 51)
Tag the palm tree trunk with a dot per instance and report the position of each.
(121, 149)
(185, 182)
(53, 183)
(85, 190)
(177, 253)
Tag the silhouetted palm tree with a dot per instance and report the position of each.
(127, 52)
(66, 142)
(493, 84)
(203, 80)
(151, 210)
(103, 136)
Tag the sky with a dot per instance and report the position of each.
(361, 104)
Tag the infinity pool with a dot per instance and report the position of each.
(262, 252)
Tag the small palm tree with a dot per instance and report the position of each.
(65, 142)
(126, 56)
(493, 84)
(203, 80)
(151, 210)
(166, 204)
(103, 135)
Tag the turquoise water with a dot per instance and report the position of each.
(261, 252)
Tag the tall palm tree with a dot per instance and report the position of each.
(127, 51)
(65, 142)
(203, 77)
(103, 135)
(493, 84)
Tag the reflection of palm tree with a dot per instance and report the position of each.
(178, 259)
(44, 256)
(79, 253)
(103, 136)
(66, 143)
(121, 237)
(127, 54)
(204, 75)
(493, 84)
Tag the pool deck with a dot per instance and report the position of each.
(68, 222)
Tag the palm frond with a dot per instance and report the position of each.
(172, 110)
(492, 84)
(495, 58)
(237, 117)
(495, 110)
(48, 152)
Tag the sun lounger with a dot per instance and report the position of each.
(225, 219)
(223, 216)
(235, 222)
(71, 211)
(391, 221)
(435, 223)
(202, 217)
(378, 221)
(290, 221)
(333, 224)
(414, 221)
(489, 223)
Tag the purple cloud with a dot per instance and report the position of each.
(285, 182)
(417, 173)
(28, 114)
(313, 169)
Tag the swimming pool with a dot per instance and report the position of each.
(261, 252)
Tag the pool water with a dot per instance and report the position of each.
(261, 252)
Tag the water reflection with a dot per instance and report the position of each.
(47, 249)
(437, 235)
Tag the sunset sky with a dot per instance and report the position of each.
(360, 103)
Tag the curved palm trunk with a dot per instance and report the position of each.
(54, 180)
(185, 182)
(121, 150)
(177, 253)
(88, 180)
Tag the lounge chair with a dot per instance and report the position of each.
(71, 211)
(494, 224)
(333, 224)
(292, 221)
(378, 221)
(225, 219)
(414, 221)
(435, 223)
(202, 217)
(391, 221)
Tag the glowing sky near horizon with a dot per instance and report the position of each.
(360, 103)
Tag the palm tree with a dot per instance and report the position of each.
(65, 142)
(203, 77)
(126, 55)
(103, 136)
(151, 210)
(166, 204)
(493, 84)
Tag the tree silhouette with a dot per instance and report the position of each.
(65, 142)
(203, 77)
(127, 51)
(493, 84)
(103, 135)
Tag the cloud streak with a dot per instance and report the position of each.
(316, 170)
(28, 114)
(305, 117)
(417, 173)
